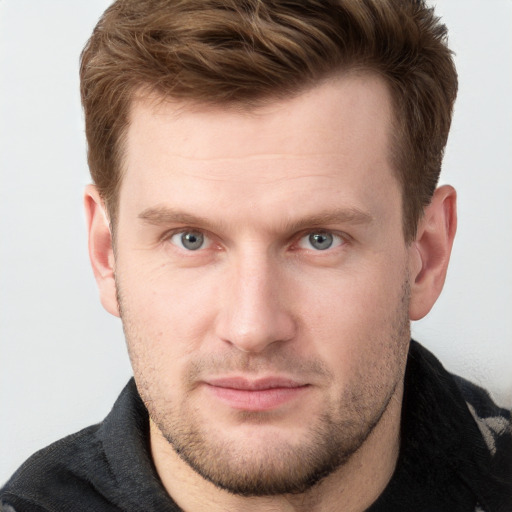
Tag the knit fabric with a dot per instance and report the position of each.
(455, 456)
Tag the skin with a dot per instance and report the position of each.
(258, 301)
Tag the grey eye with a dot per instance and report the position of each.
(189, 240)
(321, 241)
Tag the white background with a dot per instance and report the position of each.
(62, 358)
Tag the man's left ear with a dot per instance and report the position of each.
(430, 252)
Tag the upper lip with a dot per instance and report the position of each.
(246, 384)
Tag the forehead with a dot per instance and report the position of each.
(341, 110)
(335, 137)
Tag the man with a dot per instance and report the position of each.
(265, 221)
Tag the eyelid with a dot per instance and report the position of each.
(209, 238)
(168, 235)
(343, 239)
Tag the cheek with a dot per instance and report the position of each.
(353, 318)
(166, 315)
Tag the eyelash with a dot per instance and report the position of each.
(337, 239)
(340, 239)
(182, 232)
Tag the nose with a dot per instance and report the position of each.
(255, 309)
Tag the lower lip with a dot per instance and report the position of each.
(256, 400)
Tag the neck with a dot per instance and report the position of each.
(351, 488)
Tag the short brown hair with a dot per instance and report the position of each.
(232, 51)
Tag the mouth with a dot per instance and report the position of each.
(256, 394)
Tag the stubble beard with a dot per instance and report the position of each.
(279, 466)
(276, 467)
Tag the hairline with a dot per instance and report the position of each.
(147, 92)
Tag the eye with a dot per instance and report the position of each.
(190, 240)
(320, 241)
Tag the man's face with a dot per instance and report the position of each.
(263, 280)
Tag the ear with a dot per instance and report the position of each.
(430, 252)
(101, 252)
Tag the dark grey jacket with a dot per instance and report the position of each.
(455, 456)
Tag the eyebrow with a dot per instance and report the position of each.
(162, 215)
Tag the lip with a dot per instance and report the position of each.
(255, 394)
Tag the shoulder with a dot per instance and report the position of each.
(495, 428)
(55, 477)
(456, 422)
(493, 421)
(104, 467)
